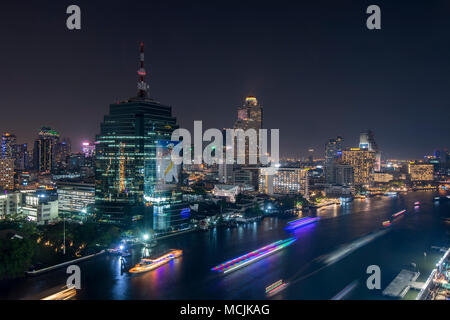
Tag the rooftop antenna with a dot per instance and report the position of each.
(142, 85)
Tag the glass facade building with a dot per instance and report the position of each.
(125, 165)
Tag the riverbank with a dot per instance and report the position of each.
(191, 277)
(60, 265)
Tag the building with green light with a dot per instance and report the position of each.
(126, 166)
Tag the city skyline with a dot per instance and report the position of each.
(296, 66)
(225, 155)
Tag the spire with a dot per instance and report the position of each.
(142, 85)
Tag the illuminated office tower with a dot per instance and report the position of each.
(88, 149)
(44, 152)
(367, 141)
(8, 144)
(250, 116)
(333, 152)
(22, 158)
(63, 150)
(125, 166)
(6, 174)
(363, 161)
(75, 197)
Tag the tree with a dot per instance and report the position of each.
(15, 257)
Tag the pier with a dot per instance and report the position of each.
(401, 284)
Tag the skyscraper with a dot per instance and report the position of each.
(250, 116)
(367, 141)
(7, 158)
(333, 152)
(333, 149)
(88, 149)
(22, 158)
(362, 160)
(62, 153)
(126, 153)
(8, 144)
(44, 152)
(6, 174)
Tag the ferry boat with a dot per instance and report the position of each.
(253, 256)
(151, 264)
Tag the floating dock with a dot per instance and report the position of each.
(401, 284)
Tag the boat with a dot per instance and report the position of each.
(253, 256)
(417, 203)
(147, 264)
(297, 223)
(203, 225)
(275, 288)
(398, 213)
(387, 223)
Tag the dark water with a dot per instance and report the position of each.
(190, 277)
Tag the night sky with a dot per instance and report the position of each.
(314, 66)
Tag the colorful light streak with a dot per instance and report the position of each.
(345, 291)
(275, 288)
(65, 294)
(253, 256)
(298, 223)
(398, 213)
(387, 223)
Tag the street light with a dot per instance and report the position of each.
(145, 236)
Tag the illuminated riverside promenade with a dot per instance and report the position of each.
(190, 275)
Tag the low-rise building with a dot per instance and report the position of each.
(40, 208)
(284, 181)
(228, 191)
(75, 197)
(10, 205)
(421, 172)
(382, 177)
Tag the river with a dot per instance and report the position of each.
(407, 241)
